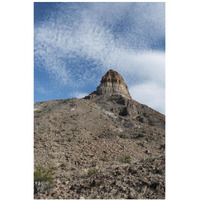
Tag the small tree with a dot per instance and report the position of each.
(43, 178)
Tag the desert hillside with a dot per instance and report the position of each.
(105, 145)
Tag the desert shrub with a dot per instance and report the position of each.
(125, 159)
(69, 139)
(122, 135)
(103, 135)
(43, 177)
(137, 135)
(92, 171)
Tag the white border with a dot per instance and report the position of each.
(182, 99)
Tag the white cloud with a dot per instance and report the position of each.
(148, 64)
(150, 94)
(86, 31)
(79, 95)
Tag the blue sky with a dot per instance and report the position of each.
(75, 44)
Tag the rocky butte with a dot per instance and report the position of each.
(113, 83)
(105, 145)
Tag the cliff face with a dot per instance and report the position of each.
(105, 146)
(113, 83)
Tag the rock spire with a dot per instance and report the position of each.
(112, 83)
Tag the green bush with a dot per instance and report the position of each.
(125, 159)
(122, 136)
(92, 171)
(43, 177)
(103, 135)
(137, 135)
(69, 139)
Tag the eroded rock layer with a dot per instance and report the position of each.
(113, 83)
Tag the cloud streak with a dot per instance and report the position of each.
(82, 40)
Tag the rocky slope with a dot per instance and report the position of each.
(105, 145)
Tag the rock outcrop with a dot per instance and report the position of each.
(111, 83)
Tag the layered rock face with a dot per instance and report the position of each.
(113, 83)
